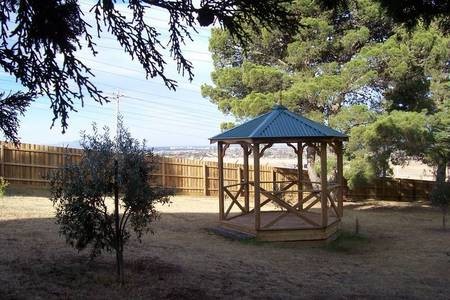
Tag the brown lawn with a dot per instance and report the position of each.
(404, 255)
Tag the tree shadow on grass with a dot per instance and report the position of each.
(416, 207)
(36, 263)
(349, 243)
(15, 190)
(182, 261)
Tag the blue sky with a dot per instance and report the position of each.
(149, 109)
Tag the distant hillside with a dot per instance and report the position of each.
(76, 144)
(70, 144)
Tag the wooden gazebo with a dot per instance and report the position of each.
(317, 210)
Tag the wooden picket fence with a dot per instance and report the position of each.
(394, 190)
(30, 164)
(197, 177)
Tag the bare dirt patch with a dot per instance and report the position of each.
(402, 254)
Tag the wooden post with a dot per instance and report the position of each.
(220, 172)
(64, 157)
(323, 183)
(257, 186)
(339, 179)
(2, 158)
(163, 171)
(239, 175)
(300, 175)
(239, 179)
(246, 179)
(205, 180)
(274, 180)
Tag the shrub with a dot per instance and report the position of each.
(3, 185)
(359, 173)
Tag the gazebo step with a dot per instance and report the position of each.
(290, 228)
(231, 234)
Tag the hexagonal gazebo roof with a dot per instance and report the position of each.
(279, 125)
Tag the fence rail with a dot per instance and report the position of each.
(30, 164)
(394, 189)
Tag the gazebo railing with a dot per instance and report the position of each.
(233, 195)
(298, 209)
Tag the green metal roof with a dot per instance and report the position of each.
(279, 124)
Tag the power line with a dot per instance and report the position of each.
(156, 103)
(11, 80)
(128, 14)
(150, 101)
(132, 78)
(166, 120)
(152, 94)
(165, 106)
(184, 50)
(143, 80)
(123, 50)
(78, 115)
(163, 110)
(138, 116)
(140, 72)
(194, 111)
(164, 117)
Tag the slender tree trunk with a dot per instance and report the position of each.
(444, 221)
(311, 161)
(444, 218)
(440, 172)
(119, 242)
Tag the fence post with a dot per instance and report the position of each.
(163, 171)
(2, 158)
(274, 180)
(205, 180)
(239, 175)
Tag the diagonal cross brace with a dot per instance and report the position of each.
(288, 208)
(234, 200)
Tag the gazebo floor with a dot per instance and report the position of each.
(289, 228)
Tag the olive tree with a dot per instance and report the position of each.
(105, 197)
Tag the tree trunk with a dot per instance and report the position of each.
(444, 221)
(119, 241)
(440, 172)
(311, 161)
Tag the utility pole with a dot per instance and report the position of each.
(117, 96)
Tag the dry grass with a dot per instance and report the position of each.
(402, 254)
